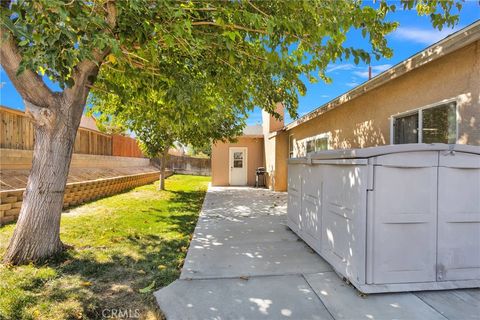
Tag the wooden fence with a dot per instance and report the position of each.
(91, 142)
(125, 147)
(17, 132)
(186, 165)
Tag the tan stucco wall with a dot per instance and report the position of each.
(270, 155)
(220, 161)
(365, 121)
(276, 157)
(272, 124)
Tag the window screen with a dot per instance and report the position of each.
(406, 129)
(321, 144)
(439, 124)
(310, 146)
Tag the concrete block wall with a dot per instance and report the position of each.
(13, 159)
(76, 192)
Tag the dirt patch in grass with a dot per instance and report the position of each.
(124, 248)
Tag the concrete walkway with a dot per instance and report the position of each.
(245, 263)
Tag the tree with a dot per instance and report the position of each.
(192, 114)
(200, 151)
(271, 43)
(156, 137)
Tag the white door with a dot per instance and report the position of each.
(238, 166)
(294, 195)
(458, 217)
(404, 216)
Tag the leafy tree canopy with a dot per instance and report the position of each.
(255, 51)
(208, 60)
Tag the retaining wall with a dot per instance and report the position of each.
(76, 192)
(22, 159)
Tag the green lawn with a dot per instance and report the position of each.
(124, 248)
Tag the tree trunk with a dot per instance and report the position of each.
(37, 233)
(161, 185)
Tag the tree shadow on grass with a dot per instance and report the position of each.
(92, 280)
(183, 213)
(102, 286)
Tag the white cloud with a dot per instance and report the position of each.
(324, 96)
(352, 84)
(345, 66)
(363, 73)
(423, 36)
(381, 67)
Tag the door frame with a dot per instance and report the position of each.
(230, 164)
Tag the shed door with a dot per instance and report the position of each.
(404, 213)
(311, 202)
(295, 172)
(238, 166)
(458, 217)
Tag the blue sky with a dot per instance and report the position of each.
(413, 35)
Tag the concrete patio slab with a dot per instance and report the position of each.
(344, 302)
(252, 259)
(278, 297)
(454, 304)
(252, 229)
(243, 232)
(244, 263)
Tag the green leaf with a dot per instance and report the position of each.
(148, 288)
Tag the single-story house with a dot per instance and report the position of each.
(433, 96)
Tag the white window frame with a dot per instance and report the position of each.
(291, 146)
(306, 145)
(324, 135)
(420, 118)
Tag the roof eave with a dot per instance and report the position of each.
(453, 42)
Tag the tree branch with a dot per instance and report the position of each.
(29, 84)
(43, 117)
(228, 26)
(87, 70)
(258, 9)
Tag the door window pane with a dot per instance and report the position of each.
(238, 159)
(406, 129)
(439, 124)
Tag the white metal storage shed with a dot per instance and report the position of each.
(392, 218)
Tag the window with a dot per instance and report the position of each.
(310, 145)
(439, 124)
(406, 129)
(321, 143)
(291, 141)
(436, 124)
(317, 143)
(238, 159)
